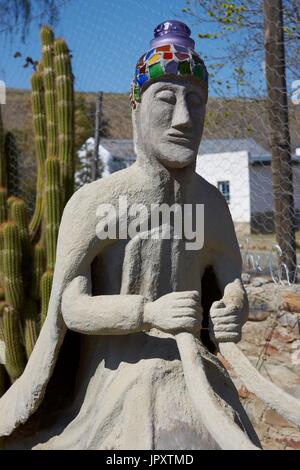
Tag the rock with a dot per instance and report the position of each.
(246, 278)
(296, 344)
(260, 281)
(295, 358)
(274, 419)
(244, 393)
(289, 443)
(272, 297)
(290, 301)
(289, 319)
(258, 315)
(293, 390)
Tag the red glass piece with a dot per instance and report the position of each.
(163, 49)
(142, 70)
(182, 55)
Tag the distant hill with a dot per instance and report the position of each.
(234, 118)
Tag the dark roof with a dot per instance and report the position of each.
(231, 145)
(123, 149)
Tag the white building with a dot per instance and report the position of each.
(241, 170)
(113, 155)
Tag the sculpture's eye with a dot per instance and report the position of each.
(167, 96)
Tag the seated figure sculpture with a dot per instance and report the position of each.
(126, 358)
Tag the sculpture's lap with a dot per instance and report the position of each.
(131, 395)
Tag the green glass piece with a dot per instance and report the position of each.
(197, 59)
(156, 70)
(198, 72)
(136, 93)
(184, 68)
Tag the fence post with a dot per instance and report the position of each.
(279, 133)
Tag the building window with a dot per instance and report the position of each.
(224, 188)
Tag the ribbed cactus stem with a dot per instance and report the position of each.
(10, 202)
(12, 265)
(40, 67)
(46, 285)
(15, 355)
(39, 266)
(53, 208)
(3, 205)
(31, 325)
(3, 177)
(4, 383)
(20, 217)
(65, 115)
(1, 264)
(47, 39)
(40, 138)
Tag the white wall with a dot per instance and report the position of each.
(232, 167)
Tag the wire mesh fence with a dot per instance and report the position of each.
(251, 144)
(250, 148)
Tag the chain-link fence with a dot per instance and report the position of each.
(251, 143)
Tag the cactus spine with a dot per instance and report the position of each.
(28, 249)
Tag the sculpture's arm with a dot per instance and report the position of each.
(229, 314)
(124, 314)
(103, 314)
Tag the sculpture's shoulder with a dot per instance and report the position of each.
(208, 194)
(105, 190)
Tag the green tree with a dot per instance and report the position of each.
(240, 25)
(262, 32)
(17, 15)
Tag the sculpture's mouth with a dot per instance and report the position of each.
(180, 138)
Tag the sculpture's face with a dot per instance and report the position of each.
(171, 118)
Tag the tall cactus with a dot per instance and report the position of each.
(12, 335)
(12, 266)
(65, 115)
(3, 179)
(39, 125)
(47, 38)
(28, 249)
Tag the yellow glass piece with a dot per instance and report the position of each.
(153, 59)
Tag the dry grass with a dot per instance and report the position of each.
(225, 118)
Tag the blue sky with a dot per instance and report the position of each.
(106, 38)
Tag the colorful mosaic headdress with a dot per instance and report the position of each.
(172, 53)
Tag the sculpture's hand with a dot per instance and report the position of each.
(174, 312)
(228, 315)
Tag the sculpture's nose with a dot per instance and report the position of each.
(181, 117)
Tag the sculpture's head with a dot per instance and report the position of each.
(168, 96)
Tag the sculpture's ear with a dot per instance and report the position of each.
(135, 126)
(210, 292)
